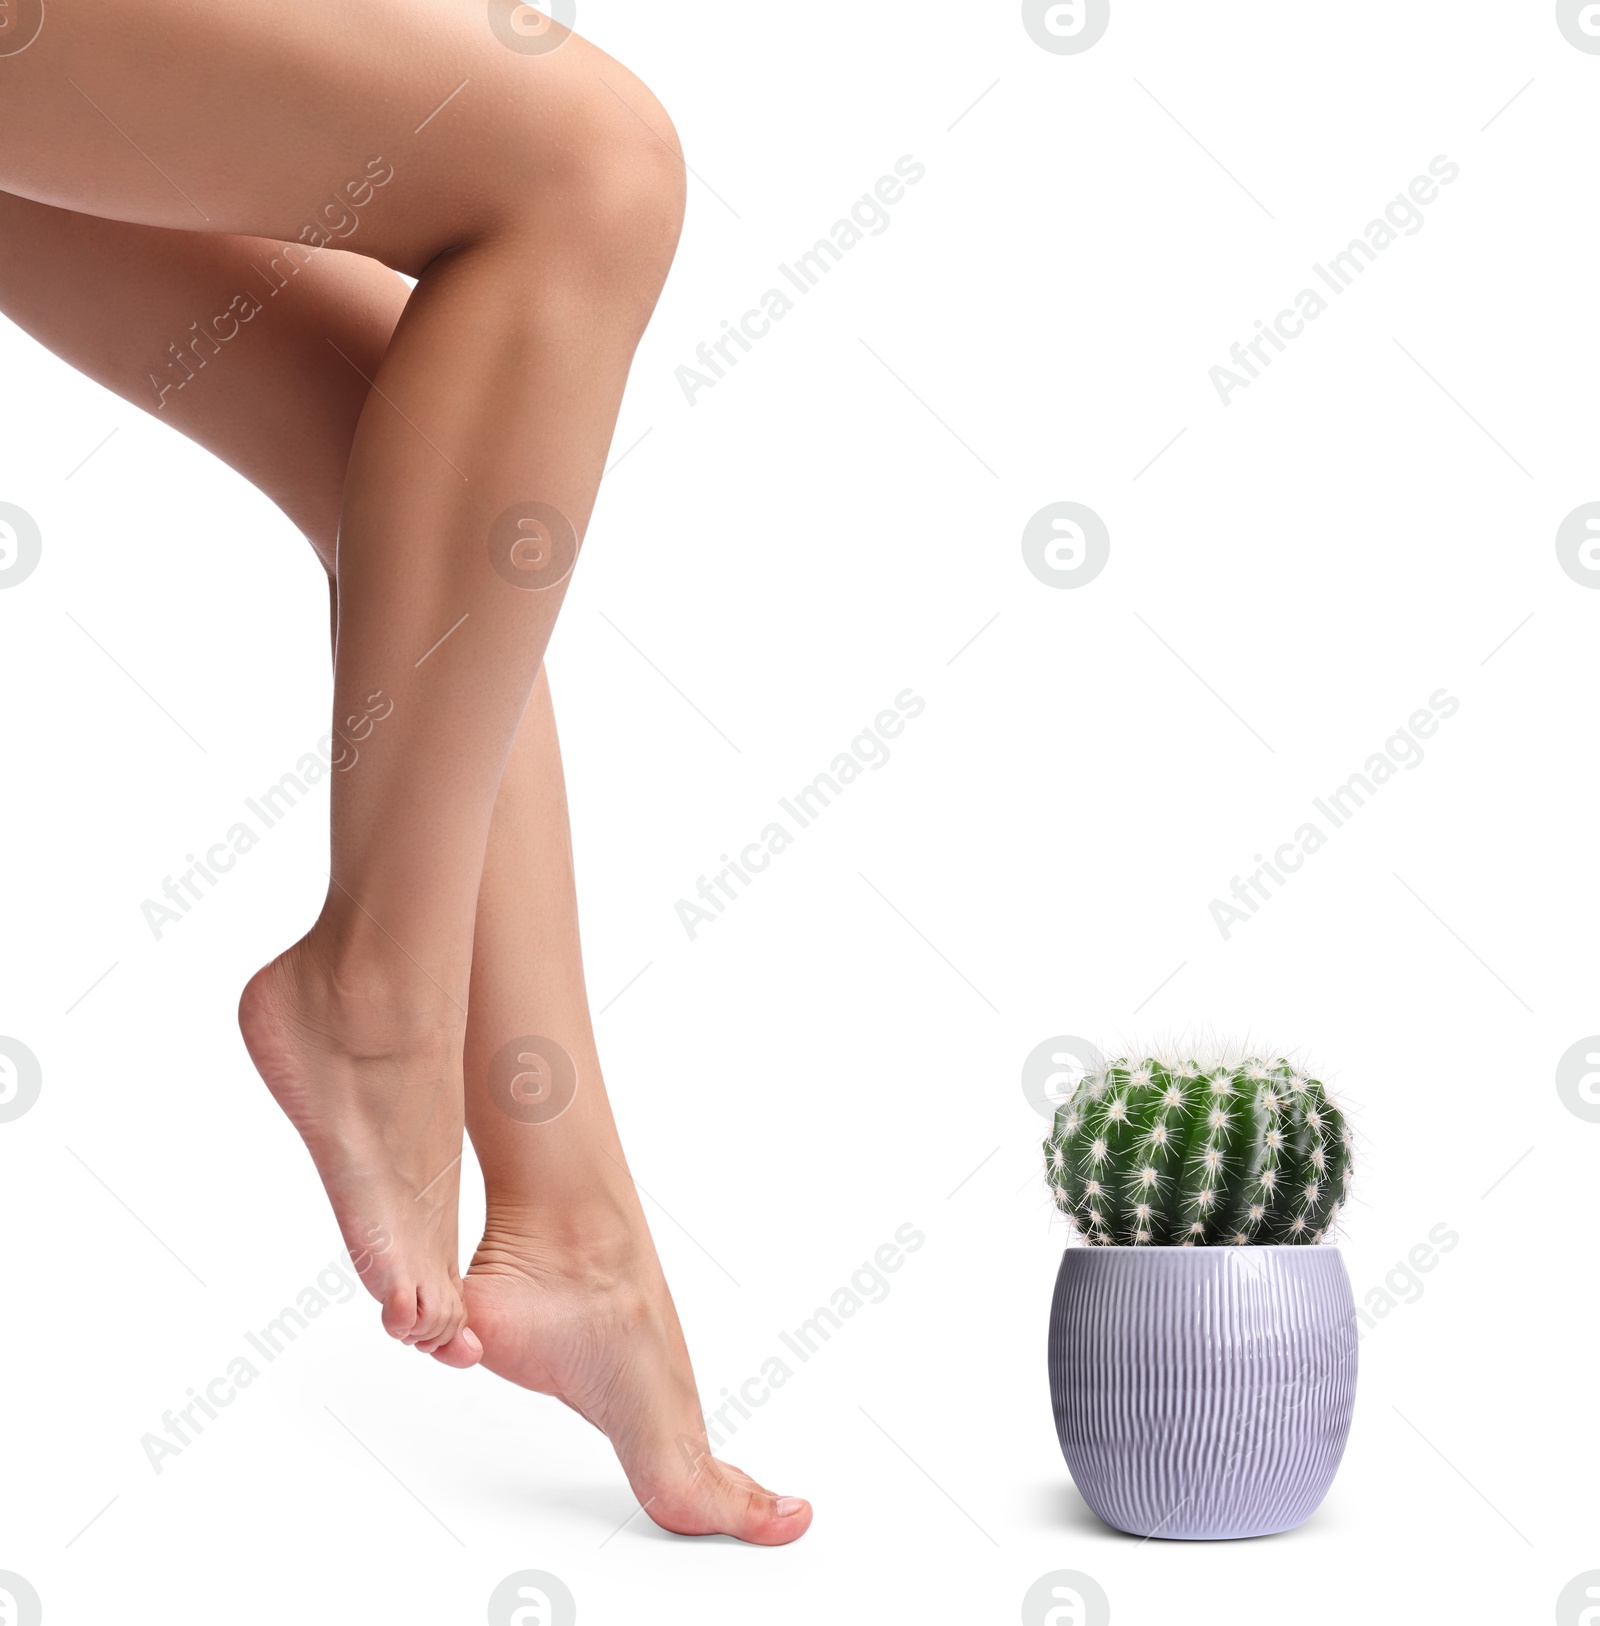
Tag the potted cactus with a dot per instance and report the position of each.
(1202, 1338)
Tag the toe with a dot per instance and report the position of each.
(746, 1509)
(463, 1350)
(719, 1499)
(400, 1312)
(767, 1520)
(439, 1318)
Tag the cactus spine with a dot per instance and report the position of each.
(1170, 1153)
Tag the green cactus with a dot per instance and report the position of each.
(1175, 1153)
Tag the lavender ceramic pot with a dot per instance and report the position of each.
(1203, 1393)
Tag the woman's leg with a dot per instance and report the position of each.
(566, 1247)
(540, 209)
(565, 1289)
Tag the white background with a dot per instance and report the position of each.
(837, 1054)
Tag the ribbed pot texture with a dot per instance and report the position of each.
(1203, 1393)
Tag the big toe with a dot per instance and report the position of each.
(724, 1501)
(462, 1351)
(771, 1521)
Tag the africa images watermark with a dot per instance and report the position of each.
(334, 1284)
(336, 221)
(869, 749)
(1402, 1279)
(869, 217)
(20, 22)
(269, 809)
(21, 545)
(1402, 216)
(1402, 749)
(869, 1284)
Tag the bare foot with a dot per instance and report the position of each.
(375, 1092)
(603, 1336)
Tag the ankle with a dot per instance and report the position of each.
(363, 1003)
(602, 1242)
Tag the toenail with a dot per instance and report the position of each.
(471, 1340)
(787, 1506)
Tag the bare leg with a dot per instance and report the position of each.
(566, 1289)
(540, 215)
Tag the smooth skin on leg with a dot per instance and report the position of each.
(566, 1288)
(540, 212)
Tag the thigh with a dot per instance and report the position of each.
(263, 363)
(399, 128)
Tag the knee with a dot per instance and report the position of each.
(605, 198)
(637, 174)
(628, 211)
